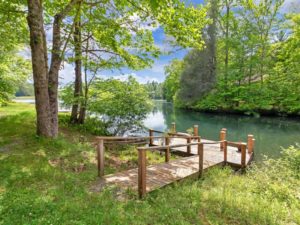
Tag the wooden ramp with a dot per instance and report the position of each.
(200, 154)
(158, 175)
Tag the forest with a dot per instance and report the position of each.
(250, 65)
(172, 99)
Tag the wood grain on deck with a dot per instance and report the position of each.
(158, 175)
(162, 174)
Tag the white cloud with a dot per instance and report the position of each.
(158, 67)
(290, 6)
(66, 74)
(139, 78)
(135, 22)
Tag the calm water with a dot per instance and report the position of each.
(271, 133)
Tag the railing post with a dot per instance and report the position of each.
(188, 140)
(250, 143)
(167, 151)
(225, 152)
(198, 138)
(173, 127)
(100, 157)
(196, 130)
(142, 172)
(243, 155)
(200, 154)
(222, 138)
(240, 147)
(151, 137)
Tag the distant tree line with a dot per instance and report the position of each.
(154, 89)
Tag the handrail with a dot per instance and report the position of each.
(178, 145)
(172, 133)
(134, 138)
(242, 147)
(142, 167)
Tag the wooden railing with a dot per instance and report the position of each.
(175, 134)
(101, 141)
(166, 147)
(142, 159)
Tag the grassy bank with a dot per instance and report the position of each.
(49, 182)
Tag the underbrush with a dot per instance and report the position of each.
(46, 181)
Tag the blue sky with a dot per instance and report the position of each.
(156, 72)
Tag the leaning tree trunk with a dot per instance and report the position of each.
(39, 67)
(78, 75)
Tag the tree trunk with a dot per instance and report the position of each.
(40, 67)
(45, 82)
(82, 112)
(226, 43)
(83, 107)
(78, 75)
(211, 43)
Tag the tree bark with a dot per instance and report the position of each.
(226, 43)
(78, 75)
(39, 66)
(45, 82)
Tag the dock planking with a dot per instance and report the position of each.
(158, 175)
(148, 178)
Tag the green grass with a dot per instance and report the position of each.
(49, 182)
(16, 108)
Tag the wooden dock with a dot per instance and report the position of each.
(199, 155)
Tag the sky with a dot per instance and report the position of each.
(156, 72)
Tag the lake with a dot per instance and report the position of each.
(271, 133)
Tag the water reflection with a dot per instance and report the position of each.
(271, 133)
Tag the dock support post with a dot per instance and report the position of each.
(196, 130)
(200, 154)
(225, 152)
(100, 157)
(142, 172)
(188, 140)
(243, 155)
(151, 137)
(173, 127)
(222, 138)
(250, 143)
(167, 151)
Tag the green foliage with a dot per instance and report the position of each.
(172, 83)
(154, 89)
(14, 70)
(120, 105)
(92, 125)
(25, 89)
(257, 63)
(184, 23)
(46, 181)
